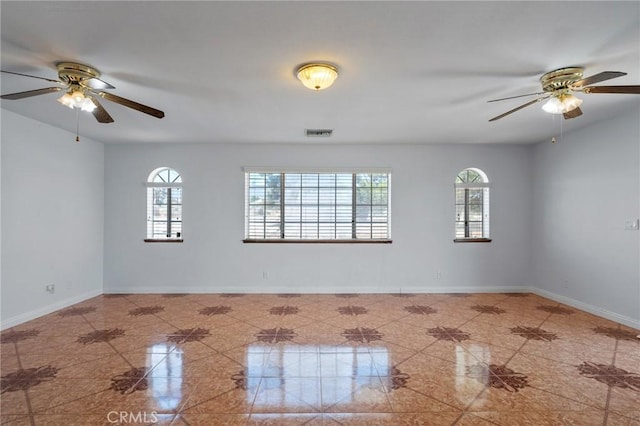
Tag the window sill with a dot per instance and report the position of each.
(167, 240)
(472, 240)
(377, 241)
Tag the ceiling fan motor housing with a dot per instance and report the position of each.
(71, 71)
(561, 79)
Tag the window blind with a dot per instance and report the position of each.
(317, 205)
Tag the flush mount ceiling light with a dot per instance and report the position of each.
(317, 76)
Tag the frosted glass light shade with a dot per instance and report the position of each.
(66, 100)
(77, 99)
(562, 104)
(87, 105)
(570, 103)
(317, 76)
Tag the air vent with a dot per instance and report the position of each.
(318, 132)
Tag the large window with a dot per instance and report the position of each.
(164, 205)
(317, 206)
(472, 206)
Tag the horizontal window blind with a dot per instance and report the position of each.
(317, 205)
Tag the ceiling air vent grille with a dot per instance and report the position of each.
(313, 133)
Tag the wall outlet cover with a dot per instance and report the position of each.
(631, 225)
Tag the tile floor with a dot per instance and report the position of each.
(388, 359)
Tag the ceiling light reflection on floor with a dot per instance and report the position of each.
(165, 377)
(468, 388)
(311, 375)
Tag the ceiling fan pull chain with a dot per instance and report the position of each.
(77, 125)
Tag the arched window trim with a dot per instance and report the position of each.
(151, 183)
(171, 205)
(463, 208)
(483, 184)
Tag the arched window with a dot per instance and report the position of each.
(164, 205)
(472, 206)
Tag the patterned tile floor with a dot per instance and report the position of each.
(223, 359)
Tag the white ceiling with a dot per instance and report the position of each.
(410, 72)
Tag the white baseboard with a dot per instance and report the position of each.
(36, 313)
(458, 289)
(317, 290)
(27, 316)
(622, 319)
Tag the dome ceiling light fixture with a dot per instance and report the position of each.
(317, 76)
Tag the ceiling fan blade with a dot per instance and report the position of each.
(29, 93)
(32, 76)
(597, 78)
(518, 108)
(631, 90)
(572, 114)
(100, 113)
(131, 104)
(96, 83)
(514, 97)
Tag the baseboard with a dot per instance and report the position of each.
(27, 316)
(316, 290)
(622, 319)
(36, 313)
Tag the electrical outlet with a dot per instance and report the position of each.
(265, 275)
(50, 288)
(631, 225)
(438, 275)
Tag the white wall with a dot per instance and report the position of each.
(214, 259)
(52, 218)
(558, 213)
(586, 187)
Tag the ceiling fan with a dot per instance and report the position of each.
(558, 87)
(82, 87)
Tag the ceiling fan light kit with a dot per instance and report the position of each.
(77, 100)
(562, 104)
(317, 76)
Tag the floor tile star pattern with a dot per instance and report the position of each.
(320, 359)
